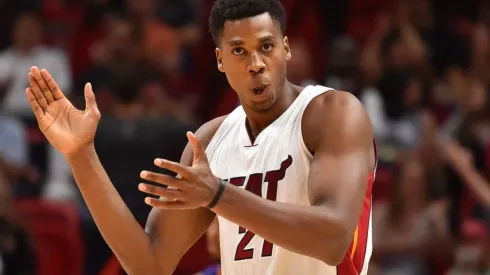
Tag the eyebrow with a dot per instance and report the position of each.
(238, 42)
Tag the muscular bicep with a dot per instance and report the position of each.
(343, 158)
(173, 232)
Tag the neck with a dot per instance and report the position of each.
(24, 50)
(258, 121)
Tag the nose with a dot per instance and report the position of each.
(256, 65)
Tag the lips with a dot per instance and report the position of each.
(259, 89)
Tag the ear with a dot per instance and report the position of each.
(221, 67)
(287, 49)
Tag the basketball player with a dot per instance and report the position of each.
(288, 173)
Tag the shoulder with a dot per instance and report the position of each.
(6, 54)
(56, 56)
(204, 134)
(338, 117)
(53, 52)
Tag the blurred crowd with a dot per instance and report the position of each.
(421, 68)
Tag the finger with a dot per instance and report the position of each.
(178, 168)
(90, 101)
(169, 194)
(53, 86)
(164, 179)
(37, 92)
(199, 153)
(170, 205)
(38, 111)
(48, 95)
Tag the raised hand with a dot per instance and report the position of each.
(68, 129)
(196, 187)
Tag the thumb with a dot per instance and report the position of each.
(90, 102)
(199, 153)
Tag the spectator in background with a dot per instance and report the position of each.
(396, 111)
(25, 52)
(442, 45)
(121, 43)
(181, 16)
(393, 45)
(169, 31)
(472, 255)
(461, 142)
(343, 74)
(161, 42)
(300, 69)
(14, 158)
(128, 140)
(410, 230)
(84, 46)
(461, 161)
(17, 256)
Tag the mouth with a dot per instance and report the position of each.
(259, 89)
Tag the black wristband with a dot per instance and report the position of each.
(218, 194)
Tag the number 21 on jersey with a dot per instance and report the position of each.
(254, 185)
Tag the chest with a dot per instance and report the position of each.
(275, 167)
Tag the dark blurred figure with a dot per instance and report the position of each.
(14, 154)
(8, 12)
(394, 44)
(27, 49)
(85, 44)
(300, 69)
(410, 230)
(463, 139)
(121, 43)
(343, 73)
(396, 109)
(443, 45)
(472, 254)
(127, 142)
(17, 256)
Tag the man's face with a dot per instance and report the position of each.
(253, 55)
(27, 32)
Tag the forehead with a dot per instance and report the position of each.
(250, 28)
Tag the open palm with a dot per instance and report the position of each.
(66, 128)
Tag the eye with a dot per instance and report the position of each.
(238, 51)
(267, 47)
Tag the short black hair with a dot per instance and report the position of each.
(230, 10)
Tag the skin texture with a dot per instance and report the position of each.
(339, 170)
(252, 53)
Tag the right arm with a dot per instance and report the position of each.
(461, 161)
(169, 234)
(72, 132)
(477, 183)
(173, 232)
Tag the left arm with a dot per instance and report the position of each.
(343, 158)
(337, 130)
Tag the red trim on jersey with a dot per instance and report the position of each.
(354, 259)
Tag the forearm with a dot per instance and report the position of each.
(309, 230)
(114, 220)
(477, 183)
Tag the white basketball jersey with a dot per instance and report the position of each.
(276, 167)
